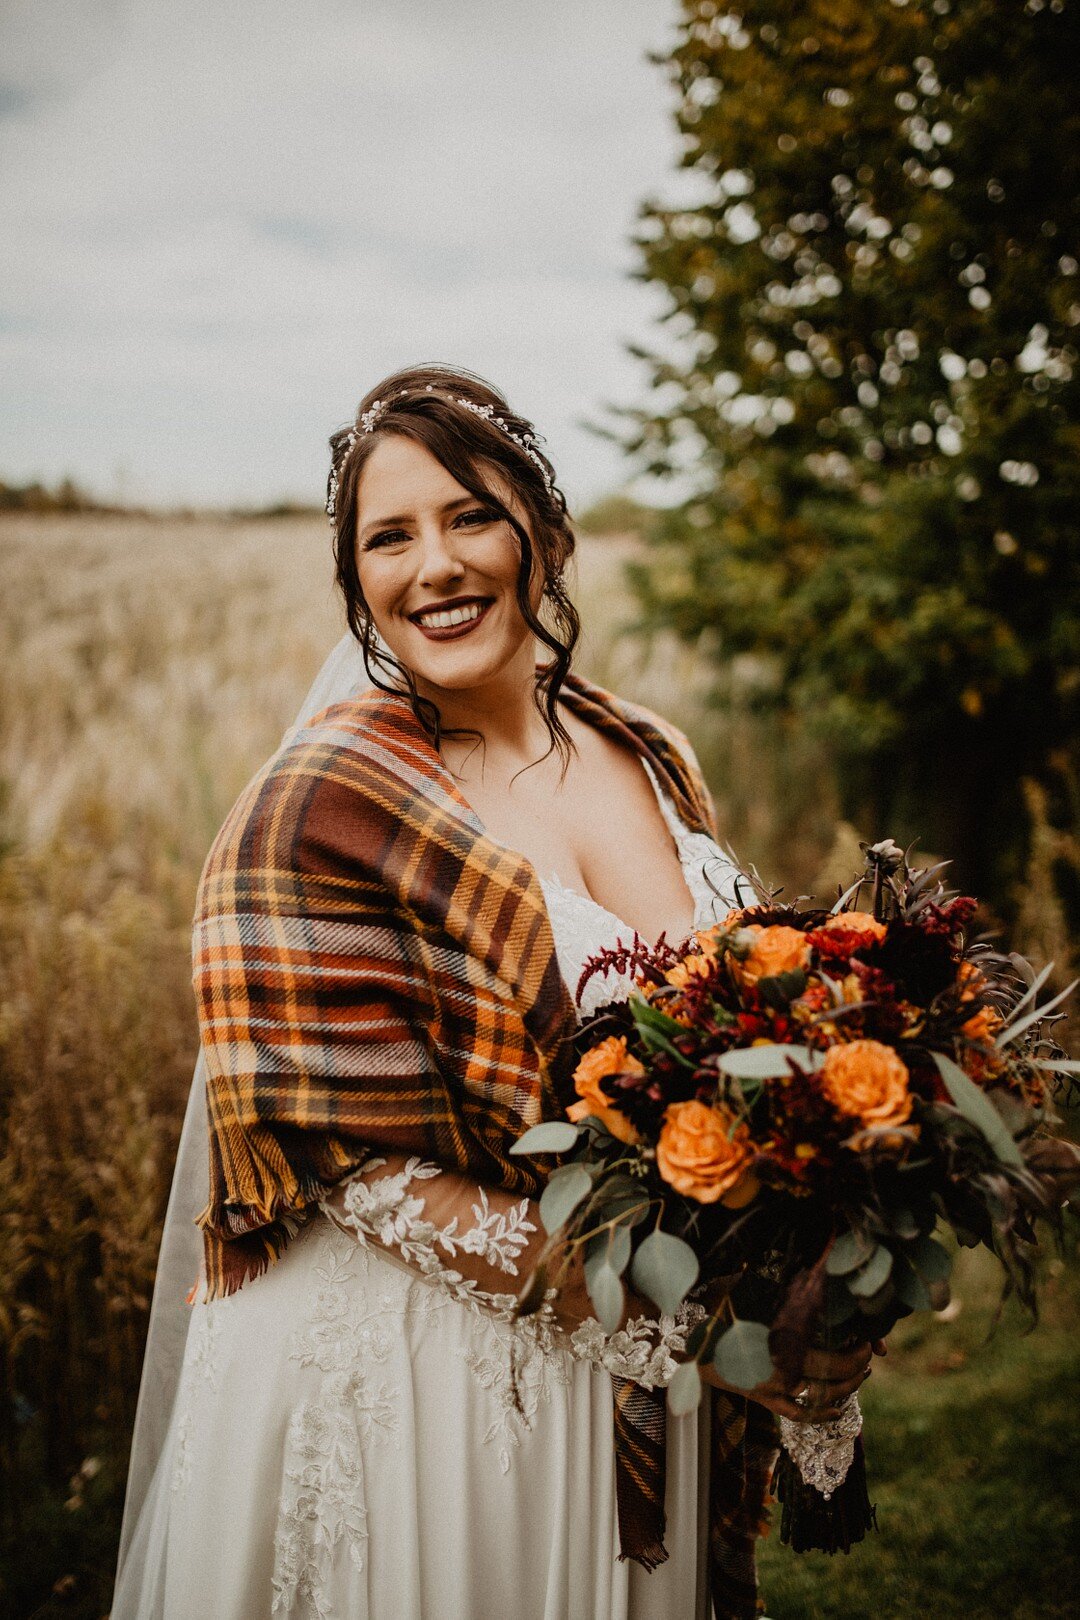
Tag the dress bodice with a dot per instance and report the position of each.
(582, 926)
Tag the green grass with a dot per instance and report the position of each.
(972, 1447)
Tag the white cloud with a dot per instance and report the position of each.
(226, 219)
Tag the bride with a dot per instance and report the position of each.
(347, 1422)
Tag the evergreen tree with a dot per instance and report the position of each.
(872, 389)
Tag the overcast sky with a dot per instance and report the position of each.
(224, 220)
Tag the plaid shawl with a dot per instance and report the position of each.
(372, 970)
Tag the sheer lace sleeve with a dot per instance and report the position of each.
(480, 1245)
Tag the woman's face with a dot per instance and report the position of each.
(438, 570)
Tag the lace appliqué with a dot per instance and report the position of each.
(386, 1211)
(645, 1350)
(322, 1513)
(522, 1358)
(322, 1510)
(200, 1370)
(516, 1363)
(823, 1452)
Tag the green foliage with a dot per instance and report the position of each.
(872, 381)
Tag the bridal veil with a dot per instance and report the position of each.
(341, 676)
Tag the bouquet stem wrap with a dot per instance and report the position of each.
(828, 1523)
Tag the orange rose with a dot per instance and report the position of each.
(610, 1057)
(775, 950)
(865, 1080)
(699, 1158)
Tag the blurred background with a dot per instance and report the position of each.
(793, 292)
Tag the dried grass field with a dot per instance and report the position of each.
(147, 667)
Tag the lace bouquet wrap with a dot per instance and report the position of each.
(771, 1128)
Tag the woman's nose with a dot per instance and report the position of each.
(439, 562)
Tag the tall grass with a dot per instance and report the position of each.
(146, 670)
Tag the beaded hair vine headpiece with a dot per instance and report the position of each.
(370, 417)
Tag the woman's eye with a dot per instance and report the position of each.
(477, 516)
(388, 537)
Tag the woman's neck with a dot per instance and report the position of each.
(503, 712)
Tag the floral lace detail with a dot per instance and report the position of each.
(823, 1452)
(645, 1350)
(322, 1509)
(200, 1366)
(383, 1210)
(322, 1513)
(389, 1212)
(518, 1366)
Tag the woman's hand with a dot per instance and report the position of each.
(828, 1378)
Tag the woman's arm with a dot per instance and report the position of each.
(482, 1244)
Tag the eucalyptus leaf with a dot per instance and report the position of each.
(850, 1251)
(630, 1210)
(742, 1355)
(910, 1286)
(779, 990)
(684, 1391)
(562, 1195)
(606, 1293)
(873, 1276)
(767, 1062)
(978, 1110)
(903, 1223)
(616, 1248)
(553, 1136)
(931, 1260)
(664, 1269)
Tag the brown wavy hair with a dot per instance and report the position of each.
(421, 403)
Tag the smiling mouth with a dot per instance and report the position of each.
(456, 619)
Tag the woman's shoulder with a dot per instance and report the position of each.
(639, 715)
(331, 795)
(660, 733)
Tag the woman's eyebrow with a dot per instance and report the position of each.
(403, 517)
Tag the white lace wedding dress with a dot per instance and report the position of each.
(345, 1445)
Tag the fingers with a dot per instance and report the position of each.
(835, 1366)
(838, 1391)
(785, 1406)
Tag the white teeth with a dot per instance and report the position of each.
(445, 620)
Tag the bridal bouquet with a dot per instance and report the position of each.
(772, 1127)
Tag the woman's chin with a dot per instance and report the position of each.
(456, 666)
